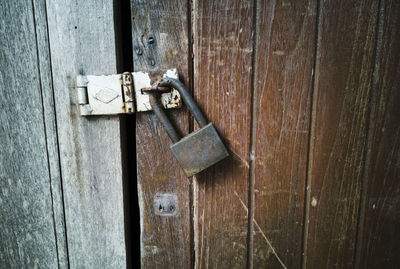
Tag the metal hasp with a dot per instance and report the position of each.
(198, 150)
(121, 93)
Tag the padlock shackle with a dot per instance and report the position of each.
(187, 98)
(154, 99)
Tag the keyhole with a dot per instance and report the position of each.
(160, 208)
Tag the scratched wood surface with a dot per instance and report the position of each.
(304, 94)
(345, 57)
(300, 139)
(31, 215)
(379, 241)
(285, 38)
(222, 33)
(160, 41)
(82, 41)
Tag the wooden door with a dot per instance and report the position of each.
(303, 93)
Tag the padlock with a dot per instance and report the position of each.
(201, 148)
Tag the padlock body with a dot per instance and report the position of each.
(199, 150)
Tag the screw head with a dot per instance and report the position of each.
(139, 51)
(150, 40)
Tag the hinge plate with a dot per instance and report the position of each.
(121, 93)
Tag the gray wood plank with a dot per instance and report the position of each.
(26, 216)
(50, 128)
(82, 41)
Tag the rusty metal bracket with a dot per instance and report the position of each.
(122, 93)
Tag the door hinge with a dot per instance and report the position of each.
(122, 93)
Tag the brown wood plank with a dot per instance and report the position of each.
(222, 86)
(379, 244)
(345, 55)
(284, 60)
(165, 240)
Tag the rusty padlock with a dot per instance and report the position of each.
(201, 148)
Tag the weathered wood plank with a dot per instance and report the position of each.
(222, 49)
(284, 59)
(379, 242)
(165, 240)
(27, 235)
(345, 49)
(82, 41)
(51, 130)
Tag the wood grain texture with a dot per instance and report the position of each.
(379, 244)
(82, 41)
(222, 49)
(285, 47)
(165, 240)
(345, 53)
(28, 224)
(49, 117)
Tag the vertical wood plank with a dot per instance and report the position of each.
(29, 227)
(379, 242)
(51, 130)
(345, 49)
(285, 47)
(82, 40)
(165, 240)
(222, 87)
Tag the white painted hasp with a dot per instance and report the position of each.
(143, 80)
(103, 95)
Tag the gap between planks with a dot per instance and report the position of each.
(262, 233)
(314, 95)
(367, 157)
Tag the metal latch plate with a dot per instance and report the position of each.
(103, 95)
